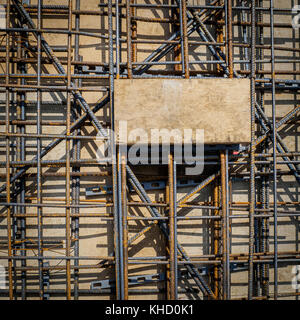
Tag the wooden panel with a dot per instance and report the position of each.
(219, 106)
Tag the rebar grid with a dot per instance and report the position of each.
(234, 39)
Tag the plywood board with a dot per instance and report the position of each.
(221, 107)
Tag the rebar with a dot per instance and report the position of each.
(45, 85)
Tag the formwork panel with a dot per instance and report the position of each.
(220, 107)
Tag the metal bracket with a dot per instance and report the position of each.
(142, 279)
(147, 185)
(92, 69)
(156, 277)
(133, 280)
(46, 280)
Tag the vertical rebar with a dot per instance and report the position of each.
(120, 222)
(21, 154)
(125, 225)
(119, 293)
(245, 38)
(216, 236)
(172, 247)
(68, 168)
(227, 227)
(252, 150)
(117, 40)
(39, 148)
(220, 35)
(266, 233)
(262, 222)
(177, 28)
(229, 38)
(7, 119)
(184, 39)
(167, 246)
(134, 31)
(274, 137)
(175, 227)
(77, 148)
(225, 224)
(129, 39)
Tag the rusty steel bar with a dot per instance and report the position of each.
(172, 235)
(129, 38)
(184, 39)
(115, 173)
(229, 38)
(225, 225)
(167, 249)
(274, 138)
(125, 225)
(216, 237)
(118, 188)
(8, 186)
(220, 37)
(252, 151)
(76, 171)
(39, 170)
(133, 30)
(118, 42)
(68, 169)
(21, 67)
(176, 28)
(175, 227)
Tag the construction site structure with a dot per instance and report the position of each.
(78, 226)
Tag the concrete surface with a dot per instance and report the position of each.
(219, 107)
